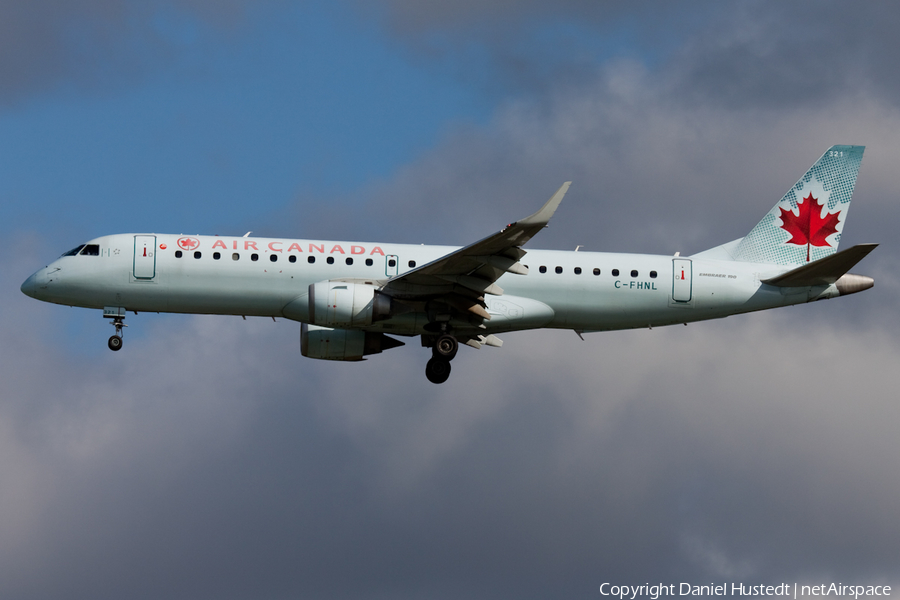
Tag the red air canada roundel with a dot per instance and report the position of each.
(188, 243)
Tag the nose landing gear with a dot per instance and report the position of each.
(442, 352)
(115, 341)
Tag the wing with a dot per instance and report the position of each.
(458, 281)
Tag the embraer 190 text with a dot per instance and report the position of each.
(348, 296)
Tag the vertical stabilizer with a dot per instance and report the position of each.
(806, 224)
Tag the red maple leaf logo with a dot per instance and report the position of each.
(188, 243)
(809, 227)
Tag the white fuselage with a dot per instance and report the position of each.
(584, 291)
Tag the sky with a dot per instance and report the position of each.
(209, 459)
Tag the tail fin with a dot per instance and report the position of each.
(806, 224)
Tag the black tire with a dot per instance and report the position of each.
(437, 370)
(445, 347)
(115, 343)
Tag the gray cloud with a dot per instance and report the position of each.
(45, 44)
(800, 54)
(528, 46)
(650, 174)
(208, 459)
(751, 448)
(758, 54)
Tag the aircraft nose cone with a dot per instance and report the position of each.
(28, 288)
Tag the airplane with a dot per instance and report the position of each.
(350, 298)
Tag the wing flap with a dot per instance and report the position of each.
(476, 284)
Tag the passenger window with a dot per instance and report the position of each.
(615, 272)
(198, 254)
(559, 269)
(634, 273)
(254, 257)
(178, 254)
(369, 262)
(330, 260)
(412, 264)
(235, 256)
(310, 259)
(216, 256)
(292, 258)
(596, 271)
(91, 250)
(652, 274)
(74, 251)
(542, 269)
(349, 261)
(273, 258)
(577, 270)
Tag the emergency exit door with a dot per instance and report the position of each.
(681, 280)
(391, 265)
(144, 256)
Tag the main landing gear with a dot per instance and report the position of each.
(442, 352)
(115, 341)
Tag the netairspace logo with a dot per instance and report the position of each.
(654, 592)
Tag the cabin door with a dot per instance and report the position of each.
(144, 257)
(681, 280)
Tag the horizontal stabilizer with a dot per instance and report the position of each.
(824, 271)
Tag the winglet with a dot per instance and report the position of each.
(542, 217)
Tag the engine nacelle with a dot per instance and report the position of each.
(342, 304)
(342, 344)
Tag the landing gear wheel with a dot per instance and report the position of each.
(115, 343)
(445, 348)
(437, 370)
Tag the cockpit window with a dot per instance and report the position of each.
(74, 251)
(91, 250)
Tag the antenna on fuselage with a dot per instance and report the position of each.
(247, 234)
